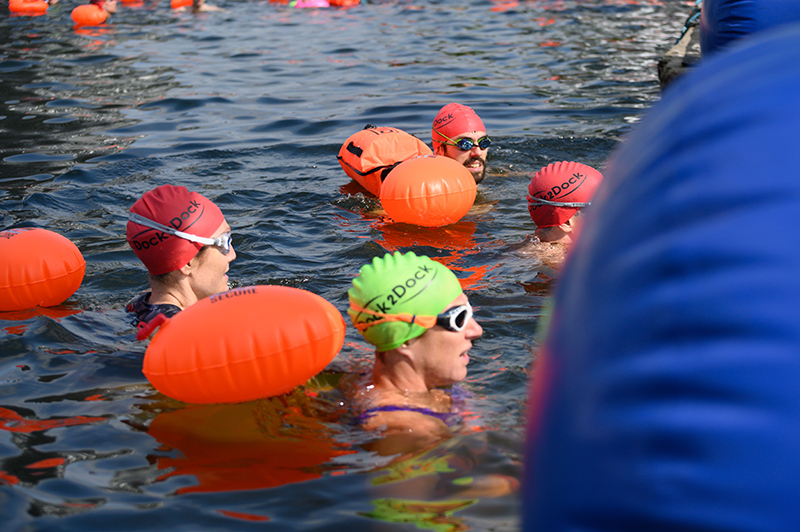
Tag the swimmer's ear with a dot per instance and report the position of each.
(567, 226)
(189, 267)
(404, 349)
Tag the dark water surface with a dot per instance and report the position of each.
(249, 107)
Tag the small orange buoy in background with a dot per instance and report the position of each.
(37, 268)
(370, 154)
(431, 191)
(244, 344)
(28, 7)
(89, 15)
(176, 4)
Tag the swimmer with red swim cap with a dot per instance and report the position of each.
(185, 243)
(459, 133)
(556, 195)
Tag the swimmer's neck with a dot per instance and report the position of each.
(394, 373)
(180, 295)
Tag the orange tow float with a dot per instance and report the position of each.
(89, 15)
(39, 268)
(430, 191)
(241, 345)
(28, 7)
(370, 154)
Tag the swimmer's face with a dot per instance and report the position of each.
(442, 355)
(210, 267)
(110, 6)
(473, 159)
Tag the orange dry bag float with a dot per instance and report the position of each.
(38, 267)
(431, 191)
(89, 15)
(242, 345)
(175, 4)
(369, 155)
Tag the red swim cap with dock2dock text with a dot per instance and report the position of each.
(180, 209)
(452, 120)
(559, 190)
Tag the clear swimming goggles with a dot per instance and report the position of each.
(453, 319)
(223, 241)
(467, 144)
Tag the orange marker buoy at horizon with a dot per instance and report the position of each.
(89, 15)
(28, 7)
(431, 191)
(243, 344)
(38, 268)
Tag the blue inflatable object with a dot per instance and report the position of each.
(724, 21)
(666, 396)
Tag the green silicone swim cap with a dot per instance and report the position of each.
(400, 283)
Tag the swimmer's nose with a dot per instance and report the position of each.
(474, 329)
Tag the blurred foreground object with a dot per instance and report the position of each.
(666, 392)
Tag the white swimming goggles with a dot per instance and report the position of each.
(223, 241)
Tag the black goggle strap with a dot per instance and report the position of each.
(534, 199)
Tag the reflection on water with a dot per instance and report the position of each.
(249, 107)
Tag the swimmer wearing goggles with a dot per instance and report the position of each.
(223, 241)
(466, 144)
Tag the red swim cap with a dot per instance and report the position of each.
(180, 209)
(558, 190)
(453, 120)
(98, 3)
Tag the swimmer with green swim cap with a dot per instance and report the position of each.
(412, 309)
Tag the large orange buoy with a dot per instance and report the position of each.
(24, 7)
(89, 15)
(244, 344)
(430, 191)
(37, 267)
(370, 154)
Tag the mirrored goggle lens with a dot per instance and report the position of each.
(467, 144)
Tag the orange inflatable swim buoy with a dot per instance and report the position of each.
(430, 191)
(369, 155)
(244, 344)
(38, 268)
(176, 4)
(32, 7)
(89, 15)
